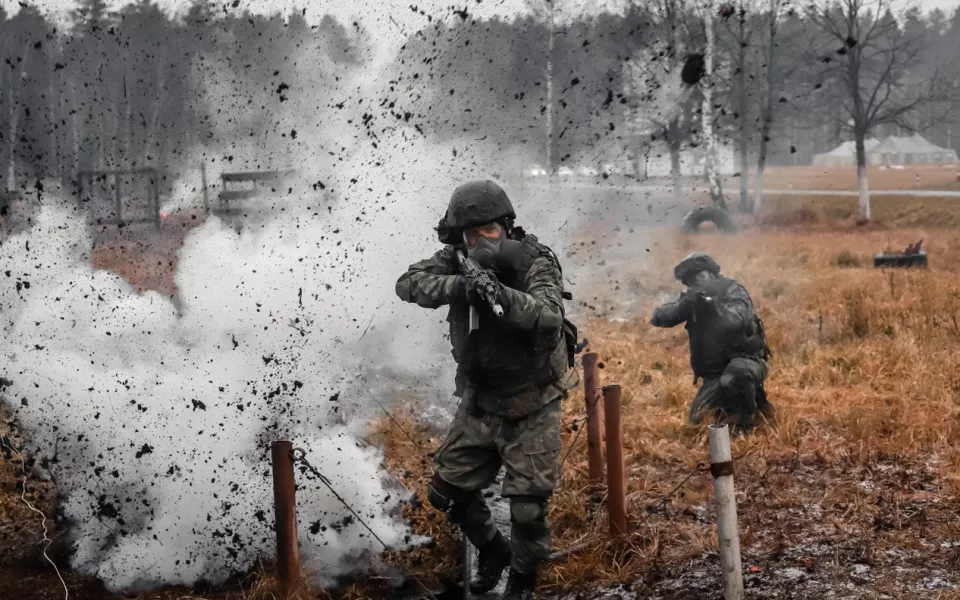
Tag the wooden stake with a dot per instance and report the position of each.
(721, 467)
(592, 395)
(616, 490)
(284, 498)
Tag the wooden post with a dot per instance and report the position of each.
(616, 490)
(284, 498)
(592, 395)
(203, 182)
(721, 467)
(116, 196)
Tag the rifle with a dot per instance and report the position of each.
(484, 286)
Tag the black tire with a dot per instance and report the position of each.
(714, 214)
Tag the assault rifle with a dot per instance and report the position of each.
(483, 284)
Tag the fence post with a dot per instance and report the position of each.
(284, 498)
(721, 467)
(616, 491)
(592, 395)
(203, 183)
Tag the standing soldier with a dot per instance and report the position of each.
(512, 372)
(728, 349)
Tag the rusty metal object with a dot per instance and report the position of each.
(721, 469)
(616, 485)
(284, 498)
(911, 256)
(592, 394)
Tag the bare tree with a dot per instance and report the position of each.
(709, 133)
(672, 15)
(776, 72)
(875, 75)
(546, 10)
(657, 100)
(741, 32)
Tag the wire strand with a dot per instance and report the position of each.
(43, 517)
(302, 458)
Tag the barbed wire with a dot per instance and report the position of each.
(302, 458)
(43, 518)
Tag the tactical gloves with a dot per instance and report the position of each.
(465, 291)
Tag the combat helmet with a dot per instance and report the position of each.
(694, 263)
(474, 203)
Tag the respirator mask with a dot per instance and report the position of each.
(484, 244)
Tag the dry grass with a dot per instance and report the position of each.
(144, 257)
(887, 211)
(833, 178)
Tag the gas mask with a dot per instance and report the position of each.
(484, 243)
(489, 246)
(699, 279)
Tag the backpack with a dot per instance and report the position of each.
(570, 332)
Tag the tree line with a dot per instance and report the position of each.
(133, 87)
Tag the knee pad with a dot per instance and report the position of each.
(527, 512)
(728, 381)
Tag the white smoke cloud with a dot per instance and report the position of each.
(157, 414)
(160, 422)
(160, 412)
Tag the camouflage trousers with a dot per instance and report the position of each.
(735, 396)
(469, 460)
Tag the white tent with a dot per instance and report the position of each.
(844, 155)
(913, 150)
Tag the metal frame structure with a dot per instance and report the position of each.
(84, 177)
(256, 178)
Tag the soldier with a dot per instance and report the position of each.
(728, 348)
(512, 373)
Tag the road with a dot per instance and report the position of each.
(917, 193)
(667, 188)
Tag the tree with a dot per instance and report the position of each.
(546, 10)
(709, 133)
(741, 33)
(875, 73)
(778, 40)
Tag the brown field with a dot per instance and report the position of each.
(854, 484)
(946, 177)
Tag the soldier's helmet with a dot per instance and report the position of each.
(478, 202)
(693, 264)
(474, 203)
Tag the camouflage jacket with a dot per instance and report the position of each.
(513, 364)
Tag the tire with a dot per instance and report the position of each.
(714, 214)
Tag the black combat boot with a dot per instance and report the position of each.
(520, 586)
(492, 558)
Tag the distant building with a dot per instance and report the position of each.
(913, 150)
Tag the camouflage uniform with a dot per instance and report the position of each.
(727, 346)
(512, 373)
